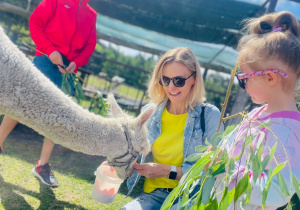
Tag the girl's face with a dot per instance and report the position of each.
(256, 86)
(178, 95)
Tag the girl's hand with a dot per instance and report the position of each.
(153, 170)
(71, 68)
(56, 59)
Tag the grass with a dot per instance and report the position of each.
(19, 189)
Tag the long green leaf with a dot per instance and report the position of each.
(273, 151)
(255, 168)
(296, 185)
(241, 186)
(213, 205)
(215, 140)
(266, 191)
(200, 148)
(278, 168)
(228, 130)
(227, 200)
(266, 124)
(231, 169)
(224, 200)
(220, 170)
(207, 187)
(260, 139)
(282, 184)
(265, 162)
(193, 157)
(249, 189)
(169, 200)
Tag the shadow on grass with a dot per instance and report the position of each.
(28, 148)
(24, 143)
(11, 197)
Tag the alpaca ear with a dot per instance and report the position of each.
(144, 116)
(115, 108)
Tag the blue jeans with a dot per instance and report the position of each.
(50, 70)
(148, 201)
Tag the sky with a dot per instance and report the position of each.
(281, 6)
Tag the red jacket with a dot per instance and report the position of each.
(67, 26)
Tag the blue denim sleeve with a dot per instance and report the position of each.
(212, 117)
(134, 179)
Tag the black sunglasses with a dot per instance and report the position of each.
(242, 82)
(177, 81)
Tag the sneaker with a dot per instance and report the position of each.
(45, 175)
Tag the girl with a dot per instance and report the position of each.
(270, 65)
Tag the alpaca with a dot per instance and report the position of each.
(31, 98)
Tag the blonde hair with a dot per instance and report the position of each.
(261, 43)
(181, 55)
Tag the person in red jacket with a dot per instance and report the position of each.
(64, 32)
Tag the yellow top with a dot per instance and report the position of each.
(167, 148)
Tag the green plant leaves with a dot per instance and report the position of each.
(207, 187)
(282, 184)
(200, 148)
(296, 185)
(241, 186)
(215, 140)
(255, 159)
(228, 130)
(70, 81)
(231, 169)
(267, 186)
(193, 157)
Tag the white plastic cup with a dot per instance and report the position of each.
(107, 183)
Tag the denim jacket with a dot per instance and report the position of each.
(192, 133)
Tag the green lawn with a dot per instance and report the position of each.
(19, 189)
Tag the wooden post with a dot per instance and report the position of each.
(205, 74)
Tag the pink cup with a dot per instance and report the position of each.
(107, 183)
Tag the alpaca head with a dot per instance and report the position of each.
(136, 135)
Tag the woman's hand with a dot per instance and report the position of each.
(71, 68)
(56, 59)
(153, 170)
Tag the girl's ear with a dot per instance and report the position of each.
(271, 78)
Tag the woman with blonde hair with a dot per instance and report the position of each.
(176, 127)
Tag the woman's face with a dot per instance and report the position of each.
(178, 95)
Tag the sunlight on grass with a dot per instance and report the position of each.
(75, 172)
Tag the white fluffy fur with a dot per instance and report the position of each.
(31, 98)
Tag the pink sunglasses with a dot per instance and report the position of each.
(242, 78)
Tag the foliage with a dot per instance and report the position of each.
(72, 83)
(132, 76)
(216, 159)
(98, 105)
(69, 83)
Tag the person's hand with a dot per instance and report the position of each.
(152, 170)
(71, 68)
(56, 59)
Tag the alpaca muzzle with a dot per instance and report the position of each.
(126, 159)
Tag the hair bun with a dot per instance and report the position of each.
(288, 22)
(265, 27)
